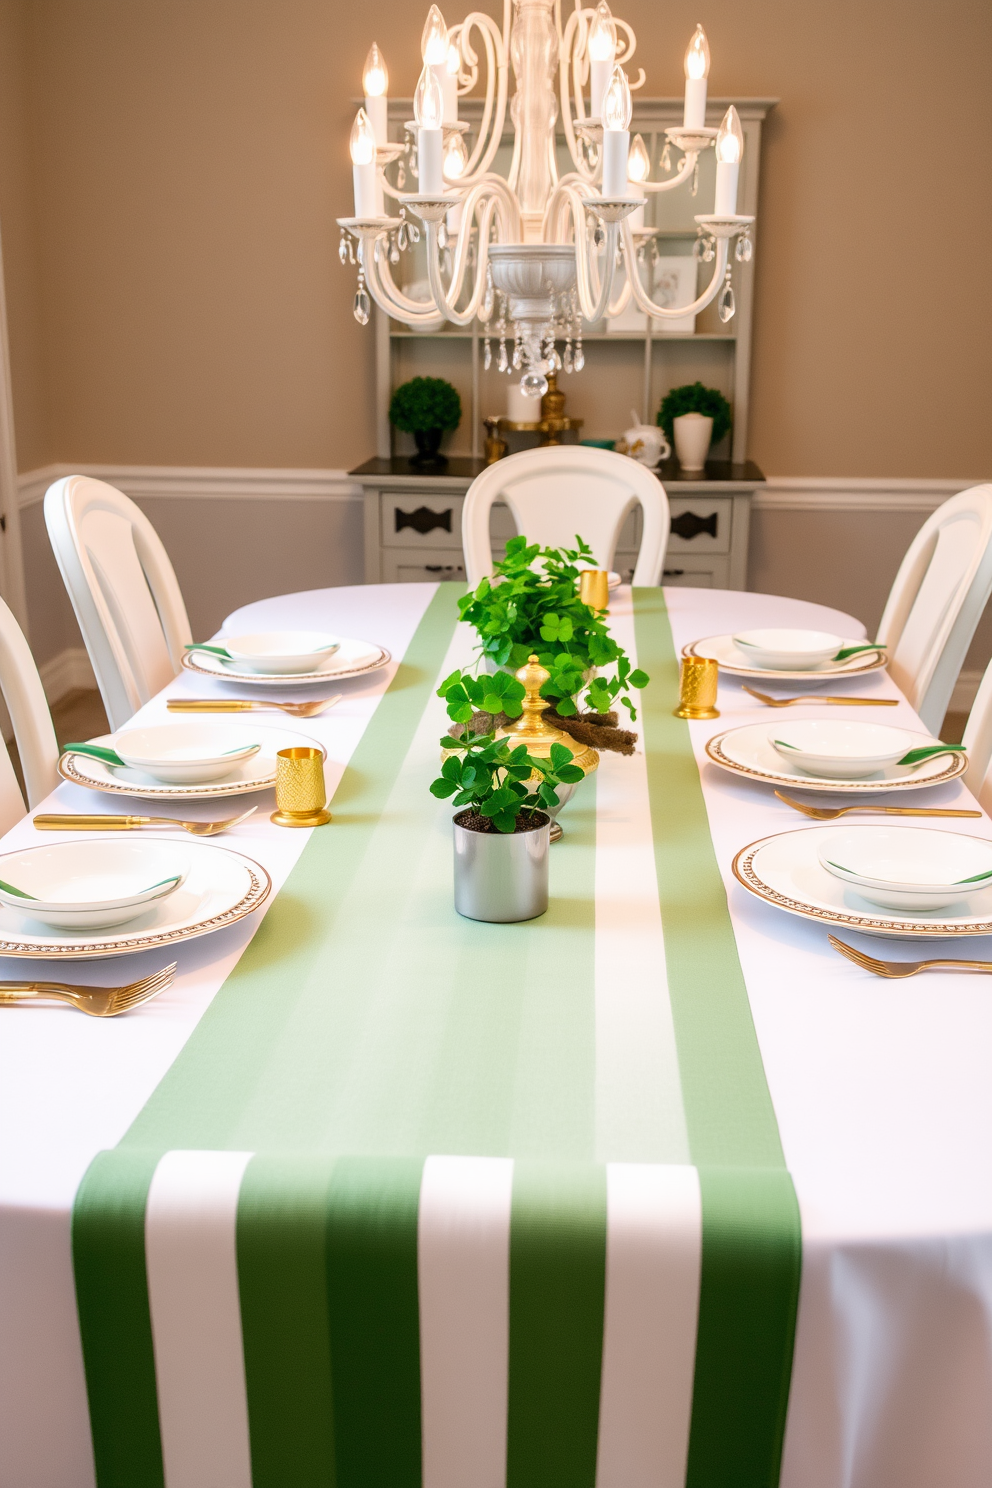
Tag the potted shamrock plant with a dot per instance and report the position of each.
(532, 604)
(501, 833)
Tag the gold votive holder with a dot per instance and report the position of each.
(697, 688)
(594, 588)
(301, 795)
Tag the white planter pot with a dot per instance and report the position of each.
(693, 432)
(501, 877)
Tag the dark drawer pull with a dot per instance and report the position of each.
(688, 525)
(424, 520)
(442, 568)
(673, 573)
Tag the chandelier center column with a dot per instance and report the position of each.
(534, 108)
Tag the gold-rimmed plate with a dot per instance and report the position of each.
(722, 650)
(220, 888)
(785, 870)
(255, 774)
(351, 659)
(746, 751)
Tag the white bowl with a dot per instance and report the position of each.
(913, 868)
(787, 650)
(91, 883)
(838, 750)
(184, 753)
(275, 652)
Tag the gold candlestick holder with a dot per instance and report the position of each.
(301, 795)
(594, 589)
(697, 688)
(534, 731)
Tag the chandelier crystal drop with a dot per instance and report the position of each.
(554, 249)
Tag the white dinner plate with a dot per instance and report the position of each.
(91, 885)
(722, 649)
(746, 751)
(221, 887)
(351, 659)
(785, 870)
(254, 774)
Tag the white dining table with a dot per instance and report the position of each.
(882, 1092)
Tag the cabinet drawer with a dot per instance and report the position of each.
(696, 573)
(701, 524)
(413, 520)
(399, 567)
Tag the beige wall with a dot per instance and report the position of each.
(170, 171)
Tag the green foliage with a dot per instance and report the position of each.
(487, 774)
(532, 605)
(425, 403)
(693, 397)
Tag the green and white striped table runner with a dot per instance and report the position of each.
(373, 1229)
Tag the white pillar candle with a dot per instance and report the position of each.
(697, 67)
(377, 109)
(616, 143)
(725, 204)
(430, 159)
(521, 408)
(362, 146)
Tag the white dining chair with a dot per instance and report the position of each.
(34, 734)
(123, 589)
(555, 494)
(937, 599)
(977, 741)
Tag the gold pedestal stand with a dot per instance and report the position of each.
(532, 730)
(551, 425)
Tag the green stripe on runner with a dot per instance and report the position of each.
(282, 1277)
(557, 1291)
(375, 1321)
(108, 1256)
(752, 1244)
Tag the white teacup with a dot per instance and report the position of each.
(645, 443)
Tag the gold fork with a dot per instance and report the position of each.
(831, 813)
(98, 1002)
(109, 823)
(816, 697)
(243, 705)
(903, 968)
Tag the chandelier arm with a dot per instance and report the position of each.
(383, 290)
(594, 293)
(388, 189)
(685, 170)
(571, 51)
(496, 86)
(662, 312)
(490, 205)
(456, 317)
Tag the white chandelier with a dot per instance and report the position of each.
(539, 251)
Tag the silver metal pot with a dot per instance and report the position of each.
(501, 876)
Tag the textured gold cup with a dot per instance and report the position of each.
(697, 691)
(301, 795)
(594, 588)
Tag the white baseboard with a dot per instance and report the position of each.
(65, 673)
(855, 494)
(199, 481)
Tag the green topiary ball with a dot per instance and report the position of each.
(425, 403)
(694, 398)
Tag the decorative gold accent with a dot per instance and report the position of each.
(531, 728)
(697, 688)
(957, 764)
(743, 870)
(594, 589)
(259, 889)
(301, 794)
(553, 421)
(496, 447)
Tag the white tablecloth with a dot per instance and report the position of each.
(881, 1090)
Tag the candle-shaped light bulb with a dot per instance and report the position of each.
(638, 163)
(375, 79)
(434, 41)
(455, 157)
(730, 138)
(428, 109)
(449, 82)
(362, 146)
(617, 106)
(427, 104)
(616, 134)
(729, 149)
(602, 48)
(697, 70)
(697, 55)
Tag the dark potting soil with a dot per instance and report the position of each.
(527, 821)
